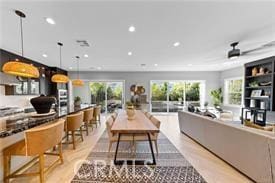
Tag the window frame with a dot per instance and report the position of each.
(226, 92)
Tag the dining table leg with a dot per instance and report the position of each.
(117, 145)
(136, 162)
(152, 150)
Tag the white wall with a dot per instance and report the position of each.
(143, 78)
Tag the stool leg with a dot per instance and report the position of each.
(87, 128)
(7, 166)
(81, 134)
(41, 168)
(60, 152)
(73, 138)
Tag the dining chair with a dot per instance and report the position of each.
(37, 143)
(74, 124)
(154, 136)
(96, 115)
(114, 137)
(148, 115)
(87, 118)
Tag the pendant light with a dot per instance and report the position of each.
(16, 67)
(60, 78)
(78, 82)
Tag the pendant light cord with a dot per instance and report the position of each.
(60, 58)
(22, 42)
(77, 57)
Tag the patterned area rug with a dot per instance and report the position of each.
(171, 165)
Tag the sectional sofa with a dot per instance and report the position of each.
(249, 150)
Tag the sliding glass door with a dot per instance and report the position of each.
(108, 94)
(159, 96)
(172, 96)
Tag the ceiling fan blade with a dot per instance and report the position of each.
(264, 46)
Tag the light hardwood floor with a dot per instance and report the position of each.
(213, 169)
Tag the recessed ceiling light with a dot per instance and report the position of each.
(155, 65)
(86, 56)
(176, 44)
(130, 53)
(45, 55)
(98, 68)
(70, 68)
(132, 29)
(50, 21)
(190, 64)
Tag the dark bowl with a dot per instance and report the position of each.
(42, 104)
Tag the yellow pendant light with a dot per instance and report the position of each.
(77, 82)
(60, 78)
(17, 68)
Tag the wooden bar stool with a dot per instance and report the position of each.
(37, 141)
(96, 118)
(88, 116)
(73, 124)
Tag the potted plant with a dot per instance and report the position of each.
(130, 110)
(217, 97)
(77, 101)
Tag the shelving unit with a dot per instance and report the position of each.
(268, 90)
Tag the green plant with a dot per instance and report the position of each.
(217, 97)
(77, 99)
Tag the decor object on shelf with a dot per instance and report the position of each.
(77, 101)
(262, 70)
(252, 103)
(17, 67)
(265, 83)
(217, 97)
(262, 105)
(60, 78)
(254, 71)
(253, 84)
(256, 93)
(205, 104)
(42, 104)
(77, 82)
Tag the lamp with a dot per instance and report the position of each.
(60, 78)
(17, 68)
(77, 82)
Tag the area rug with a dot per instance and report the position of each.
(171, 164)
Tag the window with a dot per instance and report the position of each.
(233, 91)
(172, 96)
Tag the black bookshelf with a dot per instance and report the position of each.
(263, 82)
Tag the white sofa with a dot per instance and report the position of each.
(249, 150)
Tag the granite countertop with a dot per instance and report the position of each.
(23, 121)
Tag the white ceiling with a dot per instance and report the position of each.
(205, 30)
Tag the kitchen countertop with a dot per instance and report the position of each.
(23, 121)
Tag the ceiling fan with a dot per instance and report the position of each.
(235, 52)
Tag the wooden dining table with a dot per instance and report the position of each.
(139, 125)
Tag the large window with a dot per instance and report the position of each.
(233, 91)
(107, 94)
(172, 96)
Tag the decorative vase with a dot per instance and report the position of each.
(42, 104)
(77, 103)
(130, 113)
(254, 71)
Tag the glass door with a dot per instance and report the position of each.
(114, 96)
(98, 94)
(176, 96)
(193, 93)
(159, 96)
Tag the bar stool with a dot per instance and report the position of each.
(96, 118)
(88, 116)
(73, 124)
(37, 141)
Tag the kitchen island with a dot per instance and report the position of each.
(15, 132)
